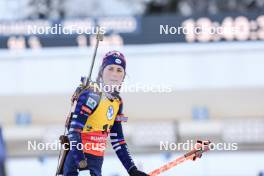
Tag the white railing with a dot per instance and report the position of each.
(184, 66)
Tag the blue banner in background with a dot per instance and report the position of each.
(123, 30)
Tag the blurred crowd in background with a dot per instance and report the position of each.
(60, 9)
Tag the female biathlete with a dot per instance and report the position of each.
(98, 113)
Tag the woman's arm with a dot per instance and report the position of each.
(78, 120)
(119, 145)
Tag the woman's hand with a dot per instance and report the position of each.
(135, 172)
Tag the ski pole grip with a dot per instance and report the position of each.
(100, 36)
(202, 147)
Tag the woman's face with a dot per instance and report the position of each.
(113, 75)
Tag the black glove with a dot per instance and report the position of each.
(197, 155)
(135, 172)
(205, 147)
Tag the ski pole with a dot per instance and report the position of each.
(202, 146)
(99, 37)
(64, 138)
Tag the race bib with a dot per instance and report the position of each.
(94, 142)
